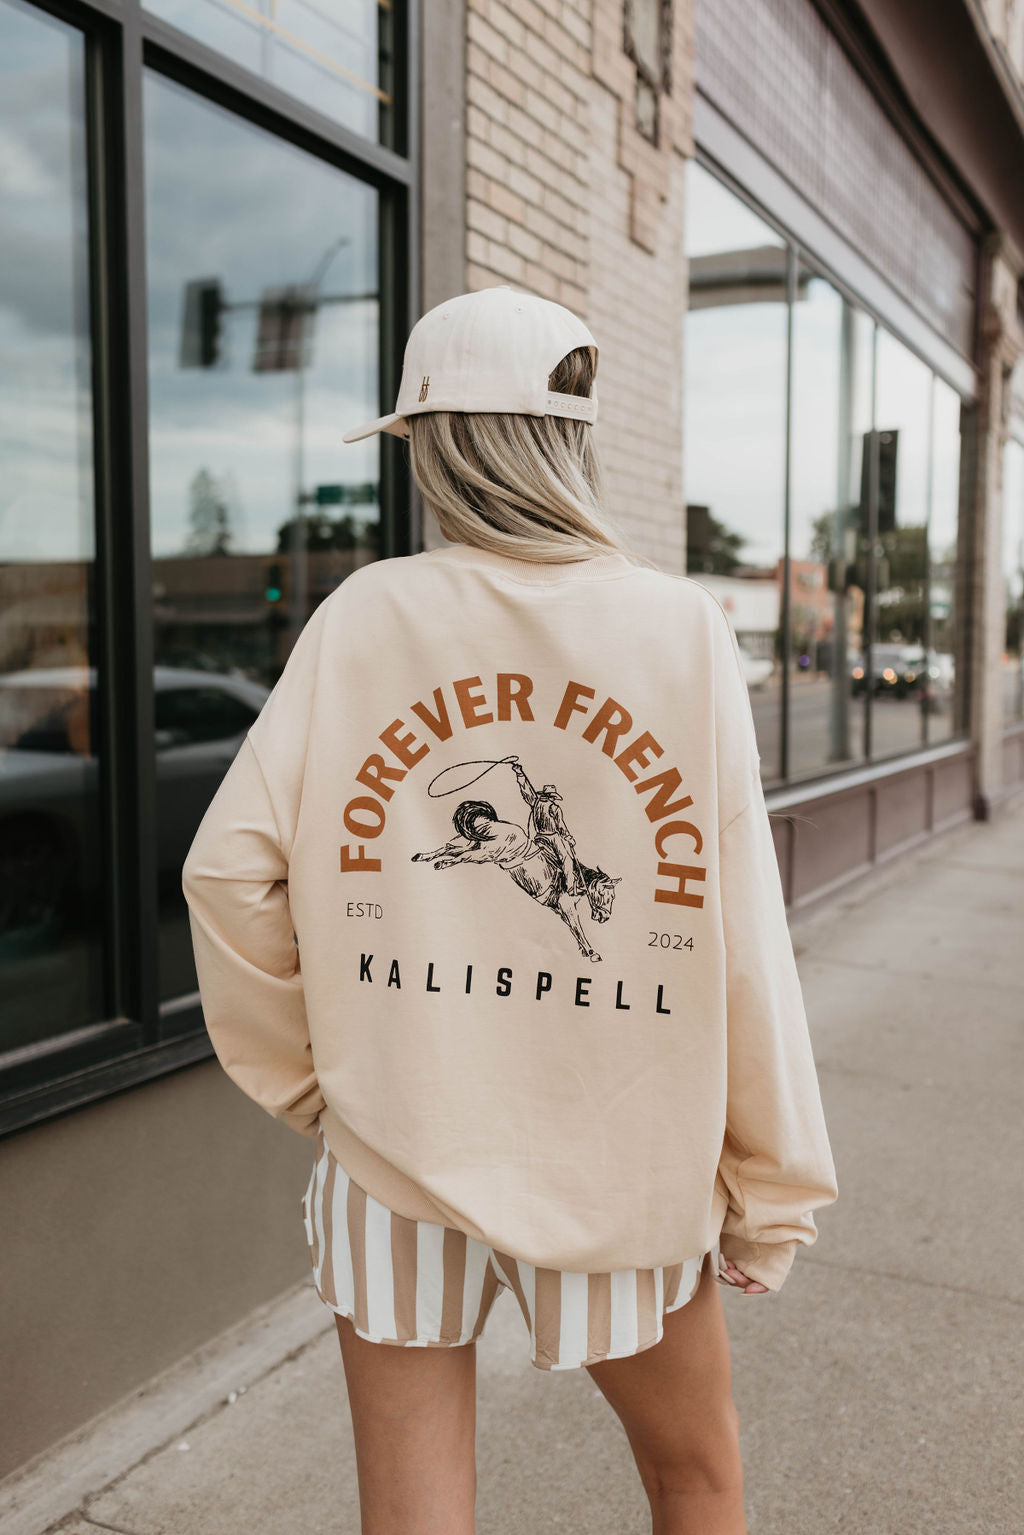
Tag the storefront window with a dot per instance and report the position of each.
(854, 661)
(335, 57)
(897, 612)
(263, 312)
(944, 621)
(1013, 580)
(734, 432)
(831, 417)
(211, 512)
(52, 869)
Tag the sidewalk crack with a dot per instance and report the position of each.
(928, 1284)
(118, 1529)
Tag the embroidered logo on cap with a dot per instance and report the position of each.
(424, 386)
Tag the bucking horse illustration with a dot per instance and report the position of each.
(541, 857)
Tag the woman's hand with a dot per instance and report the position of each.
(729, 1274)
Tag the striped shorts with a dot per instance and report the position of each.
(416, 1284)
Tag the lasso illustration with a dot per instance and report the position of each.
(455, 777)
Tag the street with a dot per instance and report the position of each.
(895, 722)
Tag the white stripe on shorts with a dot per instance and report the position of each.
(478, 1262)
(625, 1319)
(380, 1280)
(573, 1323)
(429, 1279)
(339, 1273)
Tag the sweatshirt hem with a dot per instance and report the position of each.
(400, 1194)
(381, 1180)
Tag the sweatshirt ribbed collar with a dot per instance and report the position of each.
(598, 567)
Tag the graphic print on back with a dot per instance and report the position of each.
(540, 857)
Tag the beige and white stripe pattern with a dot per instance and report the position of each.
(415, 1284)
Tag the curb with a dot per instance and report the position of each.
(60, 1479)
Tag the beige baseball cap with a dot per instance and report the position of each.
(492, 350)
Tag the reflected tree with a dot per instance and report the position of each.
(209, 517)
(711, 547)
(902, 567)
(820, 544)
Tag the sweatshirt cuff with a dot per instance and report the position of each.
(304, 1114)
(766, 1262)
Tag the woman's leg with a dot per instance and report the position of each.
(414, 1421)
(675, 1403)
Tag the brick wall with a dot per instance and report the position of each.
(566, 199)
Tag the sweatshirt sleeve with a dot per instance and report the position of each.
(234, 879)
(776, 1161)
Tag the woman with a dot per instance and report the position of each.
(503, 808)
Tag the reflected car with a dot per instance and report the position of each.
(757, 670)
(904, 671)
(896, 670)
(52, 851)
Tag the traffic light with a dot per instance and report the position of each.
(201, 323)
(888, 455)
(273, 588)
(888, 449)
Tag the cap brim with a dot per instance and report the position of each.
(395, 424)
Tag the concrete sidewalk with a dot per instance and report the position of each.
(879, 1392)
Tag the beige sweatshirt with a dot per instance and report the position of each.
(490, 888)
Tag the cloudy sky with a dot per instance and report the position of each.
(223, 200)
(297, 50)
(735, 400)
(46, 507)
(226, 200)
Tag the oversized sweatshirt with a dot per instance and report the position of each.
(489, 892)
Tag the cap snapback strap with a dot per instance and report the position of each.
(582, 407)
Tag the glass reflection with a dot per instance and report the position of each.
(52, 879)
(830, 417)
(894, 662)
(1013, 580)
(943, 621)
(734, 432)
(334, 55)
(263, 341)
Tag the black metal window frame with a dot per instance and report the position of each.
(799, 257)
(145, 1038)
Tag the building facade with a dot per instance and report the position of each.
(793, 227)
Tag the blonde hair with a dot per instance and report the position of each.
(528, 487)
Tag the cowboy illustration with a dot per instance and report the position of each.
(547, 827)
(540, 857)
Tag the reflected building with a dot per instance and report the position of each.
(219, 223)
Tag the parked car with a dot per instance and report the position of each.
(51, 842)
(894, 670)
(904, 671)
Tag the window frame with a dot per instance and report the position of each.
(145, 1038)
